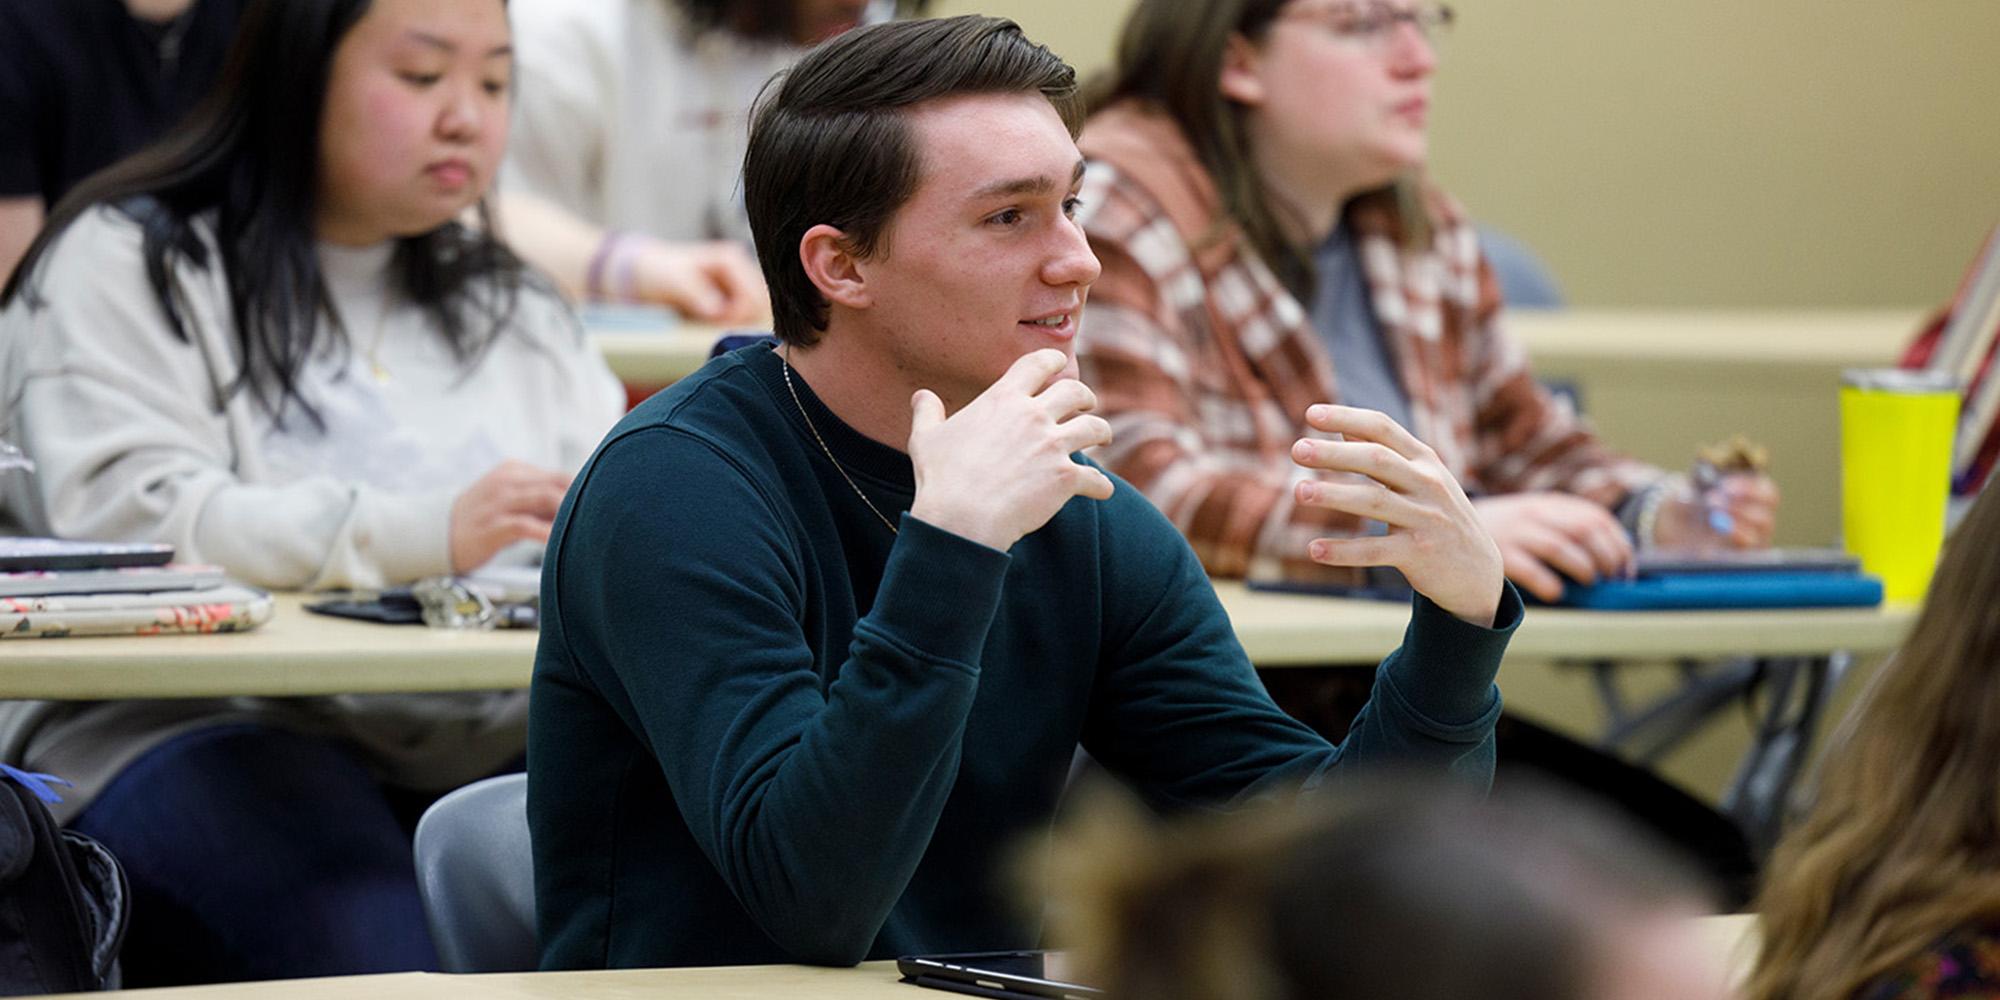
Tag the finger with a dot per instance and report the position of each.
(1366, 425)
(1751, 533)
(1092, 483)
(520, 528)
(1610, 550)
(530, 490)
(1364, 550)
(1367, 458)
(1746, 487)
(1362, 499)
(1531, 575)
(699, 299)
(544, 502)
(1066, 396)
(1754, 524)
(1565, 555)
(1628, 559)
(1756, 516)
(507, 469)
(737, 277)
(926, 411)
(1031, 372)
(1083, 431)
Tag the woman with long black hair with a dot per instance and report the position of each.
(268, 340)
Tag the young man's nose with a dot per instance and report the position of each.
(1073, 263)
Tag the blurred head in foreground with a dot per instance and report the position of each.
(1410, 891)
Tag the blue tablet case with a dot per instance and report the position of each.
(1668, 591)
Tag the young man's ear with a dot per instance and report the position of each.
(833, 268)
(1242, 78)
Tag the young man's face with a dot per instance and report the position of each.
(984, 263)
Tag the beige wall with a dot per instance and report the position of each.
(1703, 152)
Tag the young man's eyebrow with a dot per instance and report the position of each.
(447, 45)
(1025, 185)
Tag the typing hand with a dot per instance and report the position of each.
(515, 502)
(1000, 468)
(1434, 537)
(714, 282)
(1544, 537)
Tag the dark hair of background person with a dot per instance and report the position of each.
(829, 142)
(1391, 888)
(1170, 54)
(1901, 845)
(768, 19)
(249, 153)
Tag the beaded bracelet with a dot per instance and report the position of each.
(1646, 526)
(612, 256)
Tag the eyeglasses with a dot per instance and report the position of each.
(1373, 24)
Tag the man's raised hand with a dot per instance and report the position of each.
(1434, 536)
(1000, 468)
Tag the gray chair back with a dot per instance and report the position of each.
(476, 875)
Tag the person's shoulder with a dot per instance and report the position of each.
(702, 434)
(103, 244)
(724, 402)
(1142, 176)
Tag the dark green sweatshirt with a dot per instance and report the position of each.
(763, 728)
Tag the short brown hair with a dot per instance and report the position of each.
(829, 143)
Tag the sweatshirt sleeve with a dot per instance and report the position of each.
(566, 68)
(1524, 438)
(1179, 711)
(812, 783)
(123, 421)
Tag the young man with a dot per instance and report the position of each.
(823, 624)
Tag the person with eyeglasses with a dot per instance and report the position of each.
(1269, 241)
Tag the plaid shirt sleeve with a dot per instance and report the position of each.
(1524, 438)
(1215, 460)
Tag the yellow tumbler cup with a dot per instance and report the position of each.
(1896, 429)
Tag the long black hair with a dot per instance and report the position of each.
(249, 153)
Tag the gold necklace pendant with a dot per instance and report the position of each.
(375, 366)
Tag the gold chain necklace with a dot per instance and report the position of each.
(375, 365)
(785, 360)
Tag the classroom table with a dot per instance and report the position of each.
(300, 653)
(1732, 937)
(1796, 657)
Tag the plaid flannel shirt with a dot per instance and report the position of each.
(1204, 363)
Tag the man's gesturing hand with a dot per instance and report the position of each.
(1000, 468)
(1434, 537)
